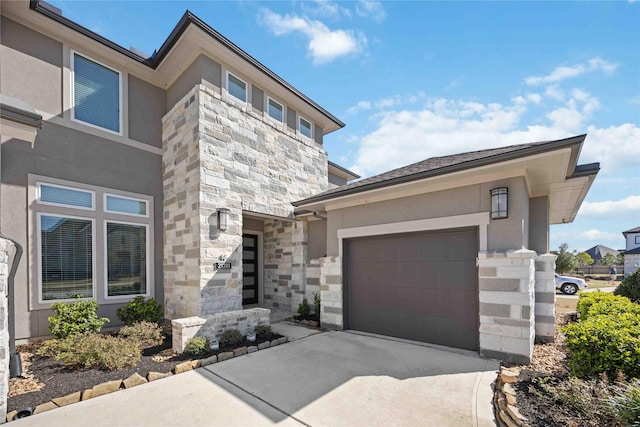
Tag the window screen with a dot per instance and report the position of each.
(96, 94)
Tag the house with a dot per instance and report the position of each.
(198, 176)
(600, 251)
(632, 252)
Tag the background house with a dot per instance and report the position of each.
(632, 252)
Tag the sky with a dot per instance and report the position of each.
(413, 80)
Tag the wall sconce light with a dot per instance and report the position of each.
(223, 219)
(499, 203)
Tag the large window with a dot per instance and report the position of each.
(96, 93)
(88, 249)
(237, 87)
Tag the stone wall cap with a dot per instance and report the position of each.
(547, 257)
(189, 321)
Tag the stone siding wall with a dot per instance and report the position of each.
(278, 260)
(631, 264)
(331, 315)
(312, 280)
(507, 318)
(213, 326)
(7, 252)
(545, 309)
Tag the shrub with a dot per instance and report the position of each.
(630, 287)
(603, 303)
(75, 318)
(316, 304)
(231, 337)
(146, 333)
(93, 350)
(625, 403)
(263, 331)
(304, 309)
(604, 343)
(197, 346)
(139, 310)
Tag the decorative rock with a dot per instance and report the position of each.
(87, 394)
(275, 342)
(44, 408)
(68, 399)
(239, 351)
(264, 345)
(252, 349)
(152, 376)
(515, 414)
(209, 360)
(106, 388)
(507, 420)
(134, 380)
(183, 367)
(195, 364)
(507, 376)
(10, 415)
(225, 355)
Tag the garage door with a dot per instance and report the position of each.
(419, 286)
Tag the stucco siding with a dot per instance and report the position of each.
(336, 181)
(292, 119)
(66, 154)
(257, 99)
(539, 224)
(317, 240)
(31, 67)
(146, 108)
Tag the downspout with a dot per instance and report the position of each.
(15, 362)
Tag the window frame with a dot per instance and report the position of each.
(300, 118)
(106, 210)
(246, 88)
(39, 200)
(94, 279)
(72, 100)
(106, 260)
(275, 101)
(637, 240)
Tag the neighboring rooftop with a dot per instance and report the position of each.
(633, 230)
(600, 251)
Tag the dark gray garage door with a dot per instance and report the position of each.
(419, 286)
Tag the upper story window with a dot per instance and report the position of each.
(304, 126)
(96, 93)
(275, 110)
(237, 87)
(637, 240)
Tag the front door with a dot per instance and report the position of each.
(249, 269)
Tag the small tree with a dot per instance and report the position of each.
(620, 259)
(584, 259)
(608, 259)
(566, 260)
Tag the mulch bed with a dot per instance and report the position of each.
(46, 379)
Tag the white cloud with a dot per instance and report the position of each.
(325, 8)
(370, 8)
(608, 208)
(534, 97)
(592, 234)
(325, 45)
(360, 106)
(565, 72)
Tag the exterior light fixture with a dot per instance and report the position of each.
(499, 203)
(223, 219)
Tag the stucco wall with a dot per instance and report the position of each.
(317, 241)
(146, 108)
(70, 155)
(503, 234)
(539, 224)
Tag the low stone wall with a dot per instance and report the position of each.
(214, 325)
(505, 403)
(7, 252)
(312, 280)
(331, 292)
(545, 308)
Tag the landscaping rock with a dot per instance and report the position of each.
(68, 399)
(275, 342)
(209, 360)
(252, 349)
(509, 376)
(507, 420)
(183, 367)
(87, 394)
(152, 376)
(44, 408)
(10, 415)
(239, 351)
(264, 345)
(225, 355)
(195, 364)
(106, 388)
(134, 380)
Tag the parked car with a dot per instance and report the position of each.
(570, 285)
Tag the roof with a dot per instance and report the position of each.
(600, 251)
(342, 171)
(635, 251)
(436, 166)
(633, 230)
(154, 60)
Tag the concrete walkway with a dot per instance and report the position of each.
(326, 379)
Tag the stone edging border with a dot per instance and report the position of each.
(136, 379)
(505, 404)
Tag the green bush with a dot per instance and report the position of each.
(231, 337)
(630, 287)
(90, 350)
(197, 346)
(146, 333)
(316, 304)
(139, 310)
(603, 303)
(604, 343)
(263, 331)
(75, 318)
(304, 309)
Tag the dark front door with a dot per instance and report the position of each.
(420, 286)
(249, 269)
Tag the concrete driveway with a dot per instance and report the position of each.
(328, 379)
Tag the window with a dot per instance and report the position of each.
(237, 87)
(95, 250)
(637, 240)
(305, 127)
(275, 110)
(96, 93)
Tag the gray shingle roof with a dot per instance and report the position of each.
(633, 230)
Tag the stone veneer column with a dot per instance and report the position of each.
(7, 252)
(507, 318)
(278, 260)
(545, 308)
(331, 292)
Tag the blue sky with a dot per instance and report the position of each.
(414, 80)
